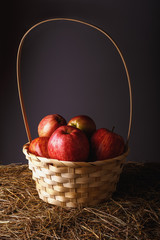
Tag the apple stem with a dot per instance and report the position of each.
(113, 128)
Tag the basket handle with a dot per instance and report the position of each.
(19, 75)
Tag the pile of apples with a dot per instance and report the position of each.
(78, 140)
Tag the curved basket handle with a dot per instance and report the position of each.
(19, 75)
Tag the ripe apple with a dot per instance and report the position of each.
(39, 146)
(84, 123)
(49, 124)
(106, 144)
(68, 144)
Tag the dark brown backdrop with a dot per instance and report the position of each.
(70, 69)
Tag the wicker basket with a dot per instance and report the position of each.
(73, 184)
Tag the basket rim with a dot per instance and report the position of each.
(71, 163)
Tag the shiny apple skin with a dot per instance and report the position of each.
(68, 144)
(106, 144)
(49, 124)
(84, 123)
(39, 147)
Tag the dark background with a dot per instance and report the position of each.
(71, 69)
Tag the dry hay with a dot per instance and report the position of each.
(132, 213)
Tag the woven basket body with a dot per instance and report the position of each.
(74, 184)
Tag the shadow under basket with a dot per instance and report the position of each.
(75, 184)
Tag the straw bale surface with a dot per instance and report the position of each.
(133, 212)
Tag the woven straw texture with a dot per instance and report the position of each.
(74, 184)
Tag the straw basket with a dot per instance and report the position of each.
(73, 184)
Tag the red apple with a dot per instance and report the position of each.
(39, 147)
(106, 144)
(68, 144)
(49, 124)
(84, 123)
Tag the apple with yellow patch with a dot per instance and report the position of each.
(84, 123)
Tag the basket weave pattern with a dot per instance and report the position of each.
(74, 184)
